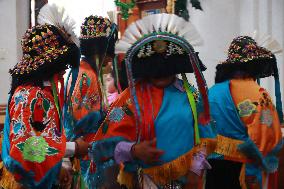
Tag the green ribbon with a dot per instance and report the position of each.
(56, 101)
(193, 108)
(104, 101)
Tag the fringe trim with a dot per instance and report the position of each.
(125, 178)
(163, 174)
(7, 180)
(229, 148)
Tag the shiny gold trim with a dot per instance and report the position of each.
(229, 148)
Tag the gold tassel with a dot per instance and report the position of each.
(124, 178)
(7, 180)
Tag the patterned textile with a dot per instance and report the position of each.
(85, 99)
(249, 124)
(119, 125)
(34, 143)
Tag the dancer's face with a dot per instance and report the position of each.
(163, 81)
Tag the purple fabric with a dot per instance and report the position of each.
(122, 152)
(199, 163)
(177, 84)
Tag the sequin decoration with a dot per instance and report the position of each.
(246, 108)
(244, 49)
(94, 27)
(266, 118)
(35, 149)
(160, 47)
(40, 45)
(116, 114)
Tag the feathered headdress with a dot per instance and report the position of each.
(48, 48)
(161, 45)
(266, 41)
(56, 16)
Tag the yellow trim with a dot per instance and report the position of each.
(126, 179)
(229, 148)
(7, 180)
(173, 170)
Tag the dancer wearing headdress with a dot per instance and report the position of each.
(34, 141)
(247, 121)
(86, 96)
(158, 131)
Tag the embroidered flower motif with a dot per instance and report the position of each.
(21, 97)
(35, 149)
(266, 118)
(116, 114)
(246, 108)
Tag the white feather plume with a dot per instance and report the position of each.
(168, 23)
(56, 16)
(267, 42)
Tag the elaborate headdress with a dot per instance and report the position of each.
(161, 45)
(48, 48)
(253, 57)
(98, 36)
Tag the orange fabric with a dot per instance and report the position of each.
(35, 149)
(229, 148)
(263, 123)
(127, 126)
(86, 94)
(179, 167)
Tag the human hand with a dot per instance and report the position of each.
(199, 163)
(81, 148)
(146, 151)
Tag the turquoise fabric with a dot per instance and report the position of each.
(174, 125)
(224, 112)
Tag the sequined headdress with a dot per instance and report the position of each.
(98, 36)
(245, 55)
(252, 56)
(48, 48)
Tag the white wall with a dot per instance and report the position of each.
(222, 20)
(13, 21)
(78, 10)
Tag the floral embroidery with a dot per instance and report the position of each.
(266, 118)
(246, 108)
(21, 97)
(116, 114)
(265, 100)
(35, 149)
(19, 128)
